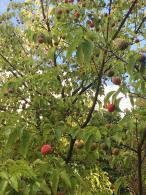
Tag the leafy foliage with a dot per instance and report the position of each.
(55, 59)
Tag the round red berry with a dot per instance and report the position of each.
(111, 107)
(46, 149)
(116, 80)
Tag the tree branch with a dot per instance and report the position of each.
(140, 25)
(124, 20)
(82, 91)
(44, 16)
(96, 94)
(142, 140)
(128, 147)
(76, 90)
(12, 66)
(72, 142)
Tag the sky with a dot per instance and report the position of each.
(3, 5)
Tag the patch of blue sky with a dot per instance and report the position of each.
(4, 4)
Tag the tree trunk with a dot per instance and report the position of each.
(140, 186)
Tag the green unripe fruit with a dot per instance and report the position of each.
(104, 146)
(110, 73)
(121, 44)
(115, 151)
(79, 144)
(93, 146)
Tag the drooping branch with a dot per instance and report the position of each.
(139, 27)
(128, 147)
(78, 89)
(124, 19)
(82, 91)
(11, 65)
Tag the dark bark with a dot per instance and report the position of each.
(140, 186)
(140, 160)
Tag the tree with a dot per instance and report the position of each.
(56, 59)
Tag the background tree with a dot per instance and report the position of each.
(56, 58)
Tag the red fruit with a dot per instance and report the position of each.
(91, 24)
(65, 1)
(116, 80)
(111, 107)
(46, 149)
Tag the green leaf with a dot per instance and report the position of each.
(97, 135)
(143, 86)
(87, 48)
(117, 101)
(80, 55)
(3, 186)
(58, 133)
(75, 132)
(25, 142)
(75, 41)
(91, 35)
(118, 183)
(43, 186)
(115, 95)
(55, 181)
(4, 175)
(51, 53)
(131, 64)
(21, 167)
(33, 190)
(27, 191)
(65, 178)
(15, 133)
(14, 182)
(89, 142)
(106, 99)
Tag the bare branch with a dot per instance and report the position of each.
(124, 19)
(137, 30)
